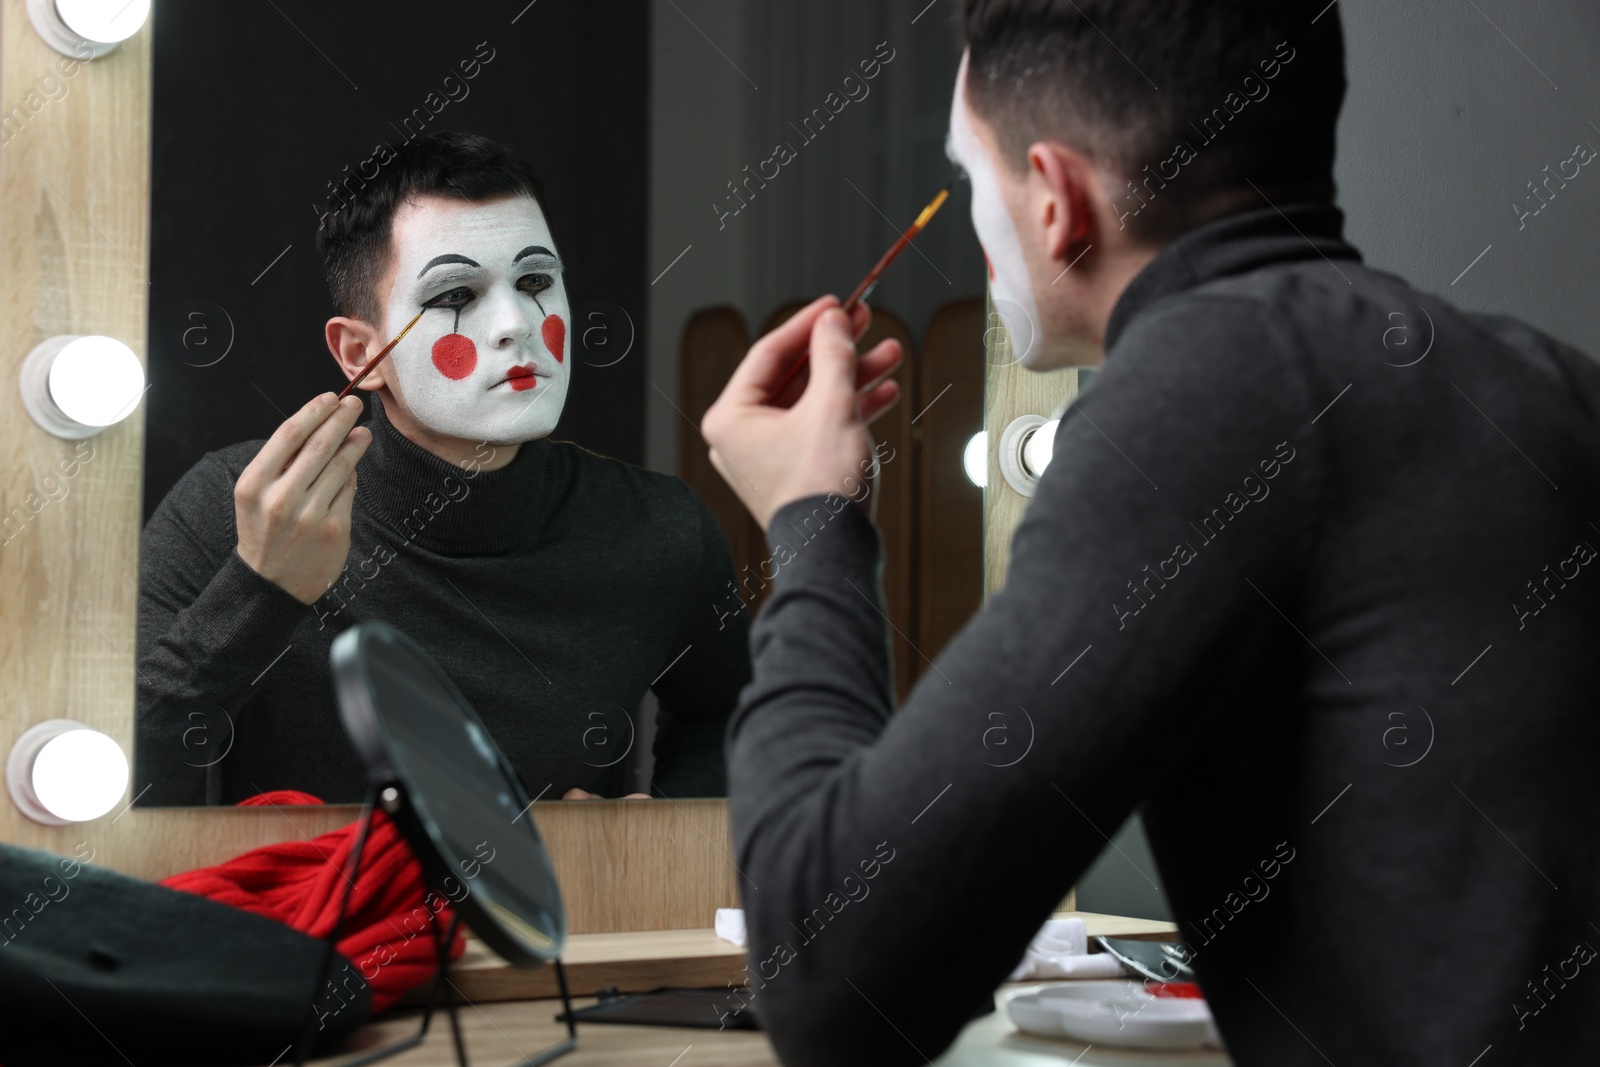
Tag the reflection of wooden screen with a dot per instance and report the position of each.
(896, 511)
(714, 340)
(893, 509)
(930, 516)
(949, 507)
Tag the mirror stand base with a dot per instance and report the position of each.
(441, 942)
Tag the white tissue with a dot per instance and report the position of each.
(730, 925)
(1061, 950)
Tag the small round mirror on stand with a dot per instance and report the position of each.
(433, 768)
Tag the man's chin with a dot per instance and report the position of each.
(1057, 353)
(509, 439)
(504, 418)
(500, 432)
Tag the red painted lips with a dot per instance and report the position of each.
(521, 378)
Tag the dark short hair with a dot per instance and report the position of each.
(1127, 81)
(353, 235)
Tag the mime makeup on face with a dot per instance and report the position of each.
(1010, 282)
(488, 361)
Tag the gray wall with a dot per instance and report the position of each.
(729, 78)
(1447, 120)
(1453, 108)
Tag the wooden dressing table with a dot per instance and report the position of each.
(498, 1034)
(507, 1014)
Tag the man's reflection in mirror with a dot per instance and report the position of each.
(554, 585)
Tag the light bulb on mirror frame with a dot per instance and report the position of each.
(1013, 469)
(75, 386)
(1038, 448)
(87, 29)
(975, 459)
(62, 772)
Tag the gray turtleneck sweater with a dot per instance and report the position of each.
(1310, 581)
(554, 591)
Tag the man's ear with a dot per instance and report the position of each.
(1062, 181)
(353, 342)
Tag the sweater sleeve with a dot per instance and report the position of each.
(895, 866)
(697, 694)
(209, 627)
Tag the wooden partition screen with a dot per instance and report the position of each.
(930, 515)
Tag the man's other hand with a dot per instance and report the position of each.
(292, 503)
(812, 437)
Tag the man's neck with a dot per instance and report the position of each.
(457, 451)
(1082, 342)
(1118, 275)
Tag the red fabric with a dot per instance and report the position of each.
(386, 932)
(274, 798)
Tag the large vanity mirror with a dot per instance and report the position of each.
(577, 215)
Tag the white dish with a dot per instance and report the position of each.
(1113, 1013)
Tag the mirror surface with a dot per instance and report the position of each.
(461, 805)
(571, 585)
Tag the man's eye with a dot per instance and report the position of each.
(535, 283)
(458, 297)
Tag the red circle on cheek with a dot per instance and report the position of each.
(455, 355)
(555, 337)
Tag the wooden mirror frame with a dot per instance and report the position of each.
(75, 219)
(74, 253)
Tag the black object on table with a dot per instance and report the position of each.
(705, 1009)
(99, 968)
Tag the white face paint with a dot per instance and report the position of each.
(488, 362)
(1010, 284)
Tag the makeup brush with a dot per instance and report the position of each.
(373, 362)
(870, 282)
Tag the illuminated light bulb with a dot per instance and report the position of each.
(975, 458)
(86, 29)
(76, 386)
(104, 21)
(1037, 449)
(96, 380)
(61, 772)
(80, 775)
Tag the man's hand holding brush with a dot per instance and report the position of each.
(812, 436)
(292, 502)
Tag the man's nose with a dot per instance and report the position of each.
(509, 323)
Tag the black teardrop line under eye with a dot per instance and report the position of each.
(549, 284)
(435, 302)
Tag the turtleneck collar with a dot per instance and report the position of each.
(457, 511)
(1233, 245)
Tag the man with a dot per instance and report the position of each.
(554, 586)
(1315, 595)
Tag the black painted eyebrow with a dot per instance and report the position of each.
(534, 250)
(450, 257)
